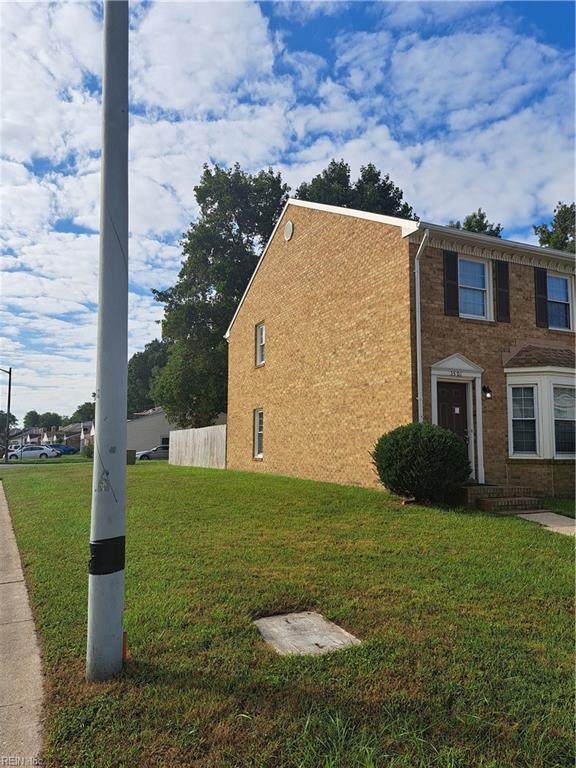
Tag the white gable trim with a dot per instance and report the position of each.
(457, 362)
(407, 225)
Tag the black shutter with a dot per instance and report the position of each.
(541, 295)
(502, 292)
(451, 283)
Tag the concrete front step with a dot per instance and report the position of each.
(497, 503)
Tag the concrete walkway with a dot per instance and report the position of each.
(552, 521)
(20, 669)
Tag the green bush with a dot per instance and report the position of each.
(421, 461)
(88, 451)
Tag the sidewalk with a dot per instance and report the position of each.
(552, 521)
(20, 670)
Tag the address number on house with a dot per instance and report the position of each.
(455, 372)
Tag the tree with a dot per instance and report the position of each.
(238, 212)
(370, 192)
(478, 222)
(11, 421)
(560, 233)
(50, 419)
(84, 412)
(31, 419)
(143, 368)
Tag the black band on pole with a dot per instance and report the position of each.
(107, 556)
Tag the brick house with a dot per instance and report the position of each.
(354, 323)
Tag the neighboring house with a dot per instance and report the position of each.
(354, 323)
(31, 436)
(148, 429)
(78, 434)
(52, 435)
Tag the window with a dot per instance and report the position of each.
(472, 288)
(523, 420)
(260, 344)
(558, 290)
(564, 420)
(258, 433)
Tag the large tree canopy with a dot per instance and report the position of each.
(477, 221)
(31, 419)
(143, 367)
(84, 412)
(50, 419)
(238, 212)
(560, 233)
(370, 192)
(11, 421)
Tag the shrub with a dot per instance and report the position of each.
(88, 451)
(422, 461)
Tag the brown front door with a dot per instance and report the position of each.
(452, 407)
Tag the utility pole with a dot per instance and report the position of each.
(7, 435)
(107, 530)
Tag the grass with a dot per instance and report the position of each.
(561, 506)
(465, 620)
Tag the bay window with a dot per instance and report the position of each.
(523, 420)
(564, 420)
(541, 413)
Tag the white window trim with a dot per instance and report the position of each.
(488, 290)
(260, 345)
(571, 316)
(544, 379)
(523, 454)
(256, 454)
(559, 383)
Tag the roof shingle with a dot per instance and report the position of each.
(539, 357)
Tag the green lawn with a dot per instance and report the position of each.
(561, 506)
(465, 618)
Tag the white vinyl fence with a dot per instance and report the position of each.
(204, 447)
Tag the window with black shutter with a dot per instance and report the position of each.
(451, 304)
(502, 292)
(541, 297)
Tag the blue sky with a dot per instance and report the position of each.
(464, 104)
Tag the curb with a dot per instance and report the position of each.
(21, 683)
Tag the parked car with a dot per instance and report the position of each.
(32, 452)
(65, 450)
(160, 452)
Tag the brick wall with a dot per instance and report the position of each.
(338, 373)
(489, 345)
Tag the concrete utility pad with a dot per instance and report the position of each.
(305, 632)
(552, 521)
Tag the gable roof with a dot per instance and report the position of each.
(543, 357)
(408, 227)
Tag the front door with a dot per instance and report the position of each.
(453, 407)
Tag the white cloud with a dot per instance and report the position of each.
(466, 79)
(416, 15)
(46, 50)
(194, 57)
(303, 11)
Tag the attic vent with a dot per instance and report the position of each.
(288, 230)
